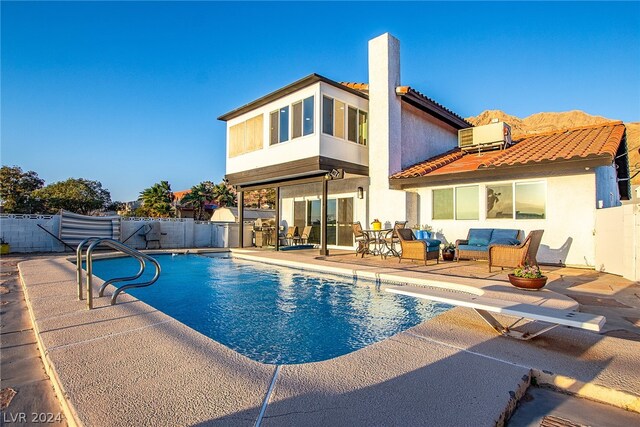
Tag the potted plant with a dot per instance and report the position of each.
(528, 277)
(4, 246)
(448, 251)
(376, 224)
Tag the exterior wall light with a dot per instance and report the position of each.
(360, 193)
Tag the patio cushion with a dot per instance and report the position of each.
(504, 233)
(432, 243)
(505, 241)
(482, 248)
(480, 236)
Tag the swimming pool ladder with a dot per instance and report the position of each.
(93, 242)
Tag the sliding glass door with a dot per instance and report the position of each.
(339, 219)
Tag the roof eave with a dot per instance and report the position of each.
(437, 111)
(286, 90)
(543, 168)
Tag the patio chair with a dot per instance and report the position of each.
(516, 256)
(151, 233)
(306, 233)
(362, 239)
(292, 234)
(391, 239)
(413, 248)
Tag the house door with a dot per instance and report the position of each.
(339, 219)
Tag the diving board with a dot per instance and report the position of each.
(484, 306)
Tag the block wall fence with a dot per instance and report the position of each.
(23, 234)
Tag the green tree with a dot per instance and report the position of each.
(77, 195)
(198, 197)
(16, 190)
(157, 201)
(224, 194)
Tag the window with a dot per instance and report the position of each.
(307, 124)
(273, 130)
(362, 127)
(344, 121)
(327, 115)
(443, 203)
(246, 136)
(352, 121)
(284, 124)
(339, 119)
(530, 200)
(279, 125)
(467, 202)
(500, 200)
(296, 132)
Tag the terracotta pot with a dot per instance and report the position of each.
(525, 283)
(448, 256)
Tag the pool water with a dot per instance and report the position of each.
(273, 314)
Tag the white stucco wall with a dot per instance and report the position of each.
(423, 136)
(607, 187)
(568, 227)
(617, 232)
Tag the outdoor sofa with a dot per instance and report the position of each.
(476, 245)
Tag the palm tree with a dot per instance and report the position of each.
(157, 200)
(198, 197)
(224, 194)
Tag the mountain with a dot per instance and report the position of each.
(544, 122)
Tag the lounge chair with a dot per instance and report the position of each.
(421, 250)
(362, 239)
(484, 306)
(306, 233)
(516, 256)
(292, 234)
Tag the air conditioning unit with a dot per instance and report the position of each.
(487, 137)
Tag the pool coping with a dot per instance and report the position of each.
(594, 391)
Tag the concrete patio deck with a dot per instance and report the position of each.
(130, 364)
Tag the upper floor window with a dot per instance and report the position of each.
(246, 136)
(300, 114)
(302, 118)
(279, 125)
(307, 116)
(344, 121)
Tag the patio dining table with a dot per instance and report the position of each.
(379, 243)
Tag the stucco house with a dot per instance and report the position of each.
(395, 153)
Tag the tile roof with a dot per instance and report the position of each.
(583, 143)
(362, 87)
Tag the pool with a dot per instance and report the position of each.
(273, 314)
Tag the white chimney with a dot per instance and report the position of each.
(385, 129)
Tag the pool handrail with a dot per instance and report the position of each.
(119, 246)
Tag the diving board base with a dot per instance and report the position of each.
(506, 330)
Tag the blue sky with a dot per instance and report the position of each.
(128, 93)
